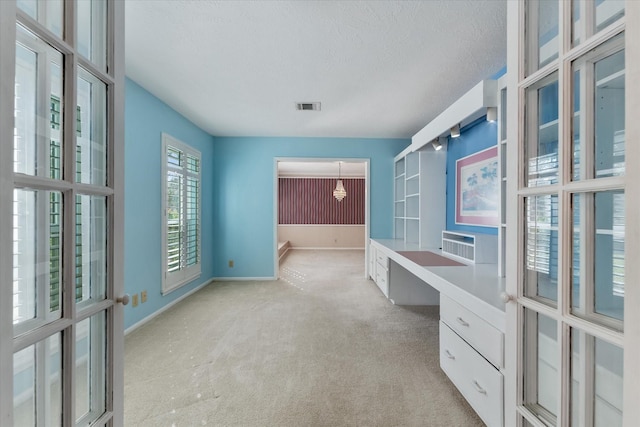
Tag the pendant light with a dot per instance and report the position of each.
(339, 193)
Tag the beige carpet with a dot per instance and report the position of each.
(319, 347)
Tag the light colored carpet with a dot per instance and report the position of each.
(320, 347)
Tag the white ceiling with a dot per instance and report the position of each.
(381, 69)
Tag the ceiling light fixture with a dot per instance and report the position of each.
(339, 193)
(436, 144)
(492, 114)
(455, 131)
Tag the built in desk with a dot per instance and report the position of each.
(472, 315)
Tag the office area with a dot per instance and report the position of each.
(567, 184)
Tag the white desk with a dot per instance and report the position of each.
(475, 286)
(472, 319)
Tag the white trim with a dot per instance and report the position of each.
(244, 279)
(164, 308)
(312, 248)
(631, 386)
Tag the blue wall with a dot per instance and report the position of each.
(237, 195)
(243, 220)
(146, 117)
(475, 137)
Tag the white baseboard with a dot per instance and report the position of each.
(305, 248)
(166, 307)
(244, 279)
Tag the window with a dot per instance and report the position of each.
(181, 207)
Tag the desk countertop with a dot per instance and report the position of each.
(476, 286)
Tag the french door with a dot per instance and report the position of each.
(573, 197)
(61, 205)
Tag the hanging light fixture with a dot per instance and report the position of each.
(339, 193)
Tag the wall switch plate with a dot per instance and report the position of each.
(230, 263)
(143, 296)
(134, 300)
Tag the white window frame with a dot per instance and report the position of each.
(174, 280)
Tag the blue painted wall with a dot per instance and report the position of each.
(146, 117)
(475, 137)
(243, 218)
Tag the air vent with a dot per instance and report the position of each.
(308, 106)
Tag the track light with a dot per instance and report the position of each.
(455, 131)
(492, 114)
(436, 144)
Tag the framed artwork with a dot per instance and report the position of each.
(478, 189)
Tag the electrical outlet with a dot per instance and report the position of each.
(143, 296)
(134, 300)
(230, 263)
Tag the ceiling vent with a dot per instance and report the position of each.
(308, 106)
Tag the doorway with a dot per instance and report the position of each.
(323, 168)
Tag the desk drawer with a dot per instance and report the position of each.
(476, 379)
(382, 280)
(382, 259)
(476, 331)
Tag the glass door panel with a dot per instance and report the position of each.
(596, 381)
(91, 130)
(37, 389)
(590, 17)
(49, 13)
(541, 26)
(541, 132)
(38, 107)
(91, 249)
(91, 368)
(599, 97)
(92, 36)
(37, 259)
(541, 248)
(599, 257)
(541, 365)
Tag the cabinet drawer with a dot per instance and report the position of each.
(473, 329)
(382, 259)
(372, 262)
(382, 280)
(476, 379)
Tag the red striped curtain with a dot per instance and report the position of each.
(311, 201)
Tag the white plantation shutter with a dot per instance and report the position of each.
(181, 205)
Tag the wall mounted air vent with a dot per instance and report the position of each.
(308, 106)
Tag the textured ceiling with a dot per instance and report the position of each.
(381, 69)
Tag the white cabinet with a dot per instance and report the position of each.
(471, 354)
(420, 196)
(476, 379)
(475, 330)
(379, 269)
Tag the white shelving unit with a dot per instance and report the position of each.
(420, 196)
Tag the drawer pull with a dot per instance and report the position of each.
(462, 321)
(478, 388)
(449, 355)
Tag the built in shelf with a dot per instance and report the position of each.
(472, 247)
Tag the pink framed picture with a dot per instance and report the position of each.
(478, 189)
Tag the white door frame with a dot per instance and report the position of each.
(367, 207)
